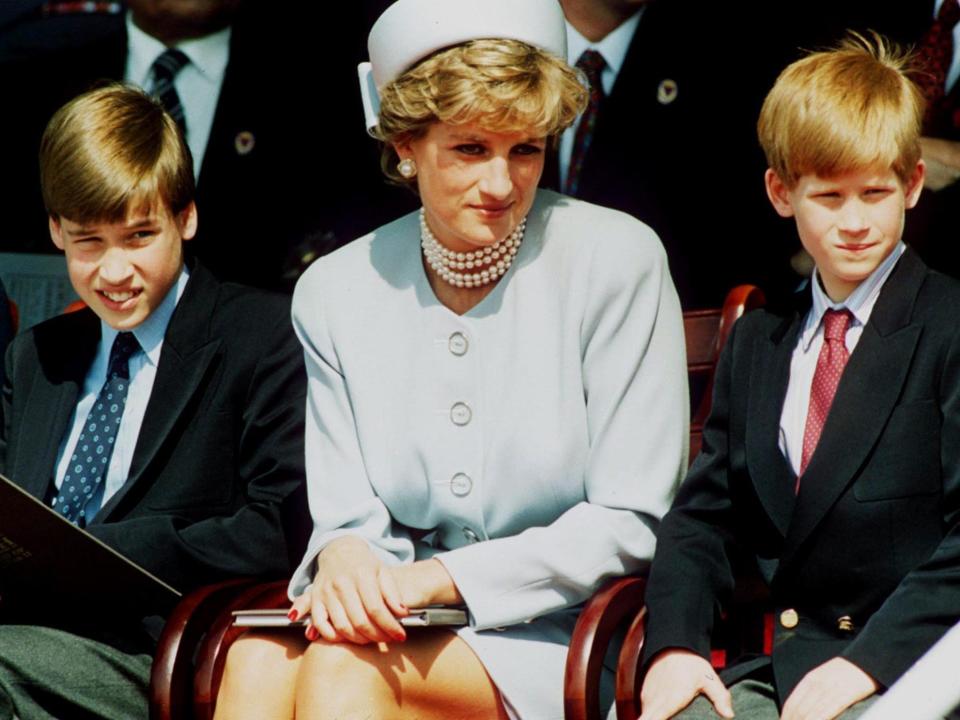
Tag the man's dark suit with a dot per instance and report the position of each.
(873, 533)
(218, 466)
(309, 170)
(690, 167)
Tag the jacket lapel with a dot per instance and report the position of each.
(866, 396)
(187, 356)
(772, 476)
(53, 399)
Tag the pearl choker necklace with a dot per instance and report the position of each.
(488, 264)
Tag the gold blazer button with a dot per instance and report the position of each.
(789, 618)
(845, 624)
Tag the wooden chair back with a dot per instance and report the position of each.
(621, 600)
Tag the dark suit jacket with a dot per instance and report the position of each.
(692, 168)
(311, 180)
(873, 533)
(217, 472)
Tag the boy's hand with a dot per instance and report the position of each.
(828, 690)
(674, 679)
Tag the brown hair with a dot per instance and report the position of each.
(844, 109)
(110, 151)
(503, 85)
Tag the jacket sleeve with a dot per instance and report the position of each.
(691, 571)
(635, 389)
(341, 497)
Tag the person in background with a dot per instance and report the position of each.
(236, 75)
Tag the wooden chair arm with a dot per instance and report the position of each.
(627, 685)
(212, 654)
(171, 677)
(616, 601)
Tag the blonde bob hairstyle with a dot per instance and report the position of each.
(111, 151)
(841, 110)
(503, 85)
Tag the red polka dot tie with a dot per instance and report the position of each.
(833, 358)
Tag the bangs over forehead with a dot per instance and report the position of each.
(113, 152)
(843, 110)
(502, 85)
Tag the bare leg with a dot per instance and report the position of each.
(260, 677)
(433, 674)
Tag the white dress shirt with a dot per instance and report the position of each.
(614, 49)
(143, 371)
(198, 83)
(803, 365)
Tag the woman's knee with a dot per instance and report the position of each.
(343, 679)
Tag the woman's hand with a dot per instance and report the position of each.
(354, 596)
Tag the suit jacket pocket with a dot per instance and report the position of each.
(906, 459)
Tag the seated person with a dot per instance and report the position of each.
(501, 428)
(840, 476)
(207, 451)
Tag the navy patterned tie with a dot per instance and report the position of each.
(592, 64)
(91, 455)
(164, 70)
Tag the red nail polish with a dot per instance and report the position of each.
(312, 633)
(293, 615)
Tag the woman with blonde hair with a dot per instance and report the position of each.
(497, 411)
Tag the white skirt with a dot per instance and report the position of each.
(526, 662)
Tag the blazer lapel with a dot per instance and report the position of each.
(773, 479)
(185, 360)
(866, 396)
(53, 399)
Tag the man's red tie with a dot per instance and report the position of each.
(830, 364)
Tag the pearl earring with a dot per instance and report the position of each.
(407, 168)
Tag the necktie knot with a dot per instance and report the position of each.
(124, 345)
(592, 64)
(168, 63)
(835, 324)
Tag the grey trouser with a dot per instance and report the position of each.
(755, 700)
(48, 674)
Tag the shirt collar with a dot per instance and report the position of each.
(860, 302)
(208, 54)
(151, 331)
(613, 47)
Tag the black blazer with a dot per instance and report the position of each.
(872, 535)
(218, 466)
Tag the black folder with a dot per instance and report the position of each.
(48, 562)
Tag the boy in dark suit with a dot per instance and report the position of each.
(166, 418)
(832, 455)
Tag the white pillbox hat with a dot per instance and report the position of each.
(410, 30)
